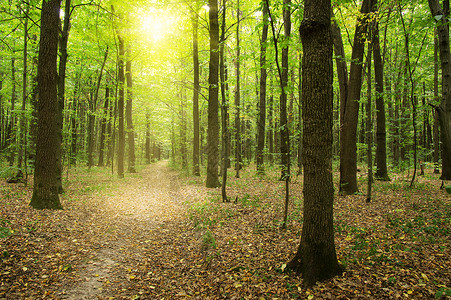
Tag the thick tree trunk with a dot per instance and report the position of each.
(45, 189)
(444, 109)
(262, 96)
(213, 101)
(348, 146)
(316, 257)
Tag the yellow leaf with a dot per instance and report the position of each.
(132, 277)
(424, 277)
(410, 292)
(310, 297)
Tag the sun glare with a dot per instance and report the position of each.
(157, 24)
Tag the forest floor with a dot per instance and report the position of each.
(158, 234)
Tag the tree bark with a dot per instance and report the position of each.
(444, 109)
(196, 141)
(262, 99)
(213, 101)
(316, 258)
(45, 189)
(120, 108)
(381, 135)
(238, 129)
(348, 146)
(129, 115)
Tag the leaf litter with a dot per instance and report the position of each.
(158, 235)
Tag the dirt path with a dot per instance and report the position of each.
(130, 219)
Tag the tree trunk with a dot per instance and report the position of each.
(435, 113)
(213, 101)
(196, 141)
(103, 130)
(316, 257)
(348, 146)
(262, 103)
(129, 115)
(120, 108)
(444, 109)
(45, 189)
(22, 160)
(224, 107)
(64, 37)
(369, 118)
(238, 128)
(381, 135)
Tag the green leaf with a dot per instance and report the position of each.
(448, 189)
(438, 17)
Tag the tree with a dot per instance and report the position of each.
(348, 136)
(262, 102)
(316, 257)
(196, 88)
(213, 99)
(120, 106)
(45, 189)
(444, 109)
(129, 114)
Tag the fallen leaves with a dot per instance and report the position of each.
(144, 237)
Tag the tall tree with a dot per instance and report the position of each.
(45, 189)
(196, 89)
(120, 108)
(213, 98)
(238, 129)
(316, 258)
(262, 98)
(348, 136)
(129, 114)
(224, 105)
(381, 135)
(444, 109)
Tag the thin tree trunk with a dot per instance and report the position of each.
(196, 141)
(262, 99)
(129, 114)
(120, 106)
(238, 132)
(381, 135)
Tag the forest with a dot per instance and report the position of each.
(225, 149)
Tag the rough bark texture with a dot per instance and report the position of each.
(444, 109)
(348, 146)
(262, 95)
(381, 135)
(45, 189)
(196, 149)
(213, 101)
(316, 257)
(238, 127)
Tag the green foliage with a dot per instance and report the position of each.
(4, 231)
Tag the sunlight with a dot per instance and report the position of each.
(157, 24)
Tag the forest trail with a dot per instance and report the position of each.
(130, 219)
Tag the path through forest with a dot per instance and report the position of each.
(131, 217)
